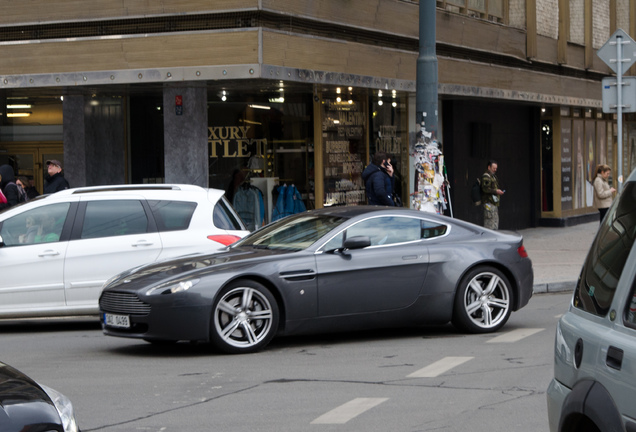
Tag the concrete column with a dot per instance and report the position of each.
(74, 140)
(185, 134)
(94, 140)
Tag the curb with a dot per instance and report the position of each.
(553, 287)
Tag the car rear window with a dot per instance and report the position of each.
(224, 218)
(607, 257)
(172, 215)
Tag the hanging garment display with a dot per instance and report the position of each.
(289, 202)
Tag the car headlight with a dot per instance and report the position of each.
(64, 408)
(173, 287)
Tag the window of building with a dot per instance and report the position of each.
(492, 10)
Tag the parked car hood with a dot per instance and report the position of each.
(191, 265)
(24, 402)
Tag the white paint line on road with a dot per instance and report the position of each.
(515, 335)
(439, 367)
(346, 412)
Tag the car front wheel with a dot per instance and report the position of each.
(244, 318)
(483, 301)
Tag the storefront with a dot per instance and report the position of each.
(260, 134)
(574, 141)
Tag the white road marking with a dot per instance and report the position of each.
(515, 335)
(346, 412)
(439, 367)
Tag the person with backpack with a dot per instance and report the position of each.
(490, 196)
(8, 187)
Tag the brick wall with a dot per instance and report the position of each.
(548, 18)
(517, 13)
(600, 22)
(577, 21)
(622, 15)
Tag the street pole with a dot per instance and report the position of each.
(619, 107)
(426, 79)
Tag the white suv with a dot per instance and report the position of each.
(57, 251)
(594, 383)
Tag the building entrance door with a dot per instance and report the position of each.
(29, 159)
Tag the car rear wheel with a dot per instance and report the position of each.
(483, 301)
(244, 318)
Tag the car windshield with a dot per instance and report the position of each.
(294, 233)
(607, 257)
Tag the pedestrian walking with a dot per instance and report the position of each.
(9, 188)
(54, 179)
(378, 180)
(603, 192)
(490, 196)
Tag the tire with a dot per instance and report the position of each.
(244, 318)
(483, 302)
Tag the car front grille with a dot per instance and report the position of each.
(123, 303)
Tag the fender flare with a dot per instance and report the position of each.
(591, 399)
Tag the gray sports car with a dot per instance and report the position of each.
(333, 269)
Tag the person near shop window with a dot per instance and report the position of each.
(8, 186)
(378, 180)
(490, 196)
(603, 192)
(54, 180)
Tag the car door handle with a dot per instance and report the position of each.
(142, 243)
(49, 252)
(614, 358)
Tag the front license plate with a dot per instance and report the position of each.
(121, 321)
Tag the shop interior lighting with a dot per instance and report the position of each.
(277, 100)
(350, 101)
(380, 102)
(18, 106)
(263, 107)
(338, 90)
(394, 104)
(338, 99)
(379, 93)
(19, 114)
(350, 88)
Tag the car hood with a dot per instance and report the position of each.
(191, 266)
(23, 402)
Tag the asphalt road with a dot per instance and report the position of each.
(419, 379)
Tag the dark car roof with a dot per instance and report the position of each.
(23, 402)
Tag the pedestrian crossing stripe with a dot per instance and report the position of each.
(348, 411)
(439, 367)
(515, 335)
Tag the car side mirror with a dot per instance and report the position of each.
(357, 242)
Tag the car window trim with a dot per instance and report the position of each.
(80, 216)
(320, 249)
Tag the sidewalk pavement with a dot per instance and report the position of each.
(557, 254)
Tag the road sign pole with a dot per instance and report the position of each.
(619, 108)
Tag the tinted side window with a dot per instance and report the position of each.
(40, 225)
(114, 218)
(431, 229)
(387, 230)
(605, 261)
(172, 215)
(224, 218)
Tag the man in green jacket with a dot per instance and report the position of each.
(490, 196)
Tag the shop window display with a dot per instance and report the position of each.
(256, 146)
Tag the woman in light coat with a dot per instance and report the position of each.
(603, 192)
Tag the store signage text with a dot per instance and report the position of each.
(388, 141)
(233, 142)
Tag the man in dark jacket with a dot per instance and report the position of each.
(54, 180)
(378, 180)
(8, 186)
